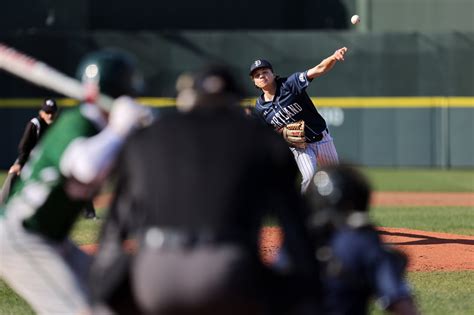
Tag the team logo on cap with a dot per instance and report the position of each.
(257, 63)
(49, 103)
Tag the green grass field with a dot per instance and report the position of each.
(437, 293)
(456, 220)
(412, 179)
(420, 180)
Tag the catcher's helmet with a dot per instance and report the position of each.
(114, 72)
(339, 188)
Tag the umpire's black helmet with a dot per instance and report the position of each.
(213, 85)
(340, 188)
(216, 79)
(113, 71)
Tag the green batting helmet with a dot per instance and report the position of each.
(114, 72)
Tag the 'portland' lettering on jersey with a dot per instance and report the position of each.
(285, 115)
(290, 104)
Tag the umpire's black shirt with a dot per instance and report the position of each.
(211, 169)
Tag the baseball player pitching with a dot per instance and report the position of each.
(285, 105)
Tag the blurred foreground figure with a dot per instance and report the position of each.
(63, 173)
(193, 191)
(357, 265)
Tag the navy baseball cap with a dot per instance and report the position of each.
(258, 64)
(49, 106)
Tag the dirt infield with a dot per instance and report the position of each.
(422, 199)
(427, 251)
(387, 199)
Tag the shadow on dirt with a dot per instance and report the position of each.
(424, 239)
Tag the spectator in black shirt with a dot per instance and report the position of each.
(34, 130)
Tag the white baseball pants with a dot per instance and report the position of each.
(317, 153)
(46, 274)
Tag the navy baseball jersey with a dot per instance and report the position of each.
(291, 103)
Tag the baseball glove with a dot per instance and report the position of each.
(294, 134)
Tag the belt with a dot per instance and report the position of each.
(160, 237)
(317, 137)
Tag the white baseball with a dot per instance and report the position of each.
(355, 19)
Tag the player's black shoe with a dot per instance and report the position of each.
(89, 211)
(90, 215)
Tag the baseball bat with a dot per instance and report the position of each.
(41, 74)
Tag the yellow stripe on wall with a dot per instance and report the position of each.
(30, 102)
(158, 101)
(388, 102)
(341, 102)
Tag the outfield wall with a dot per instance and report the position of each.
(397, 100)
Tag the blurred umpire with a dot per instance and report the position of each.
(34, 131)
(357, 265)
(193, 190)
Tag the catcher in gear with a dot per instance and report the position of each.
(285, 105)
(358, 266)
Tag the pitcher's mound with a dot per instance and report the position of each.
(426, 251)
